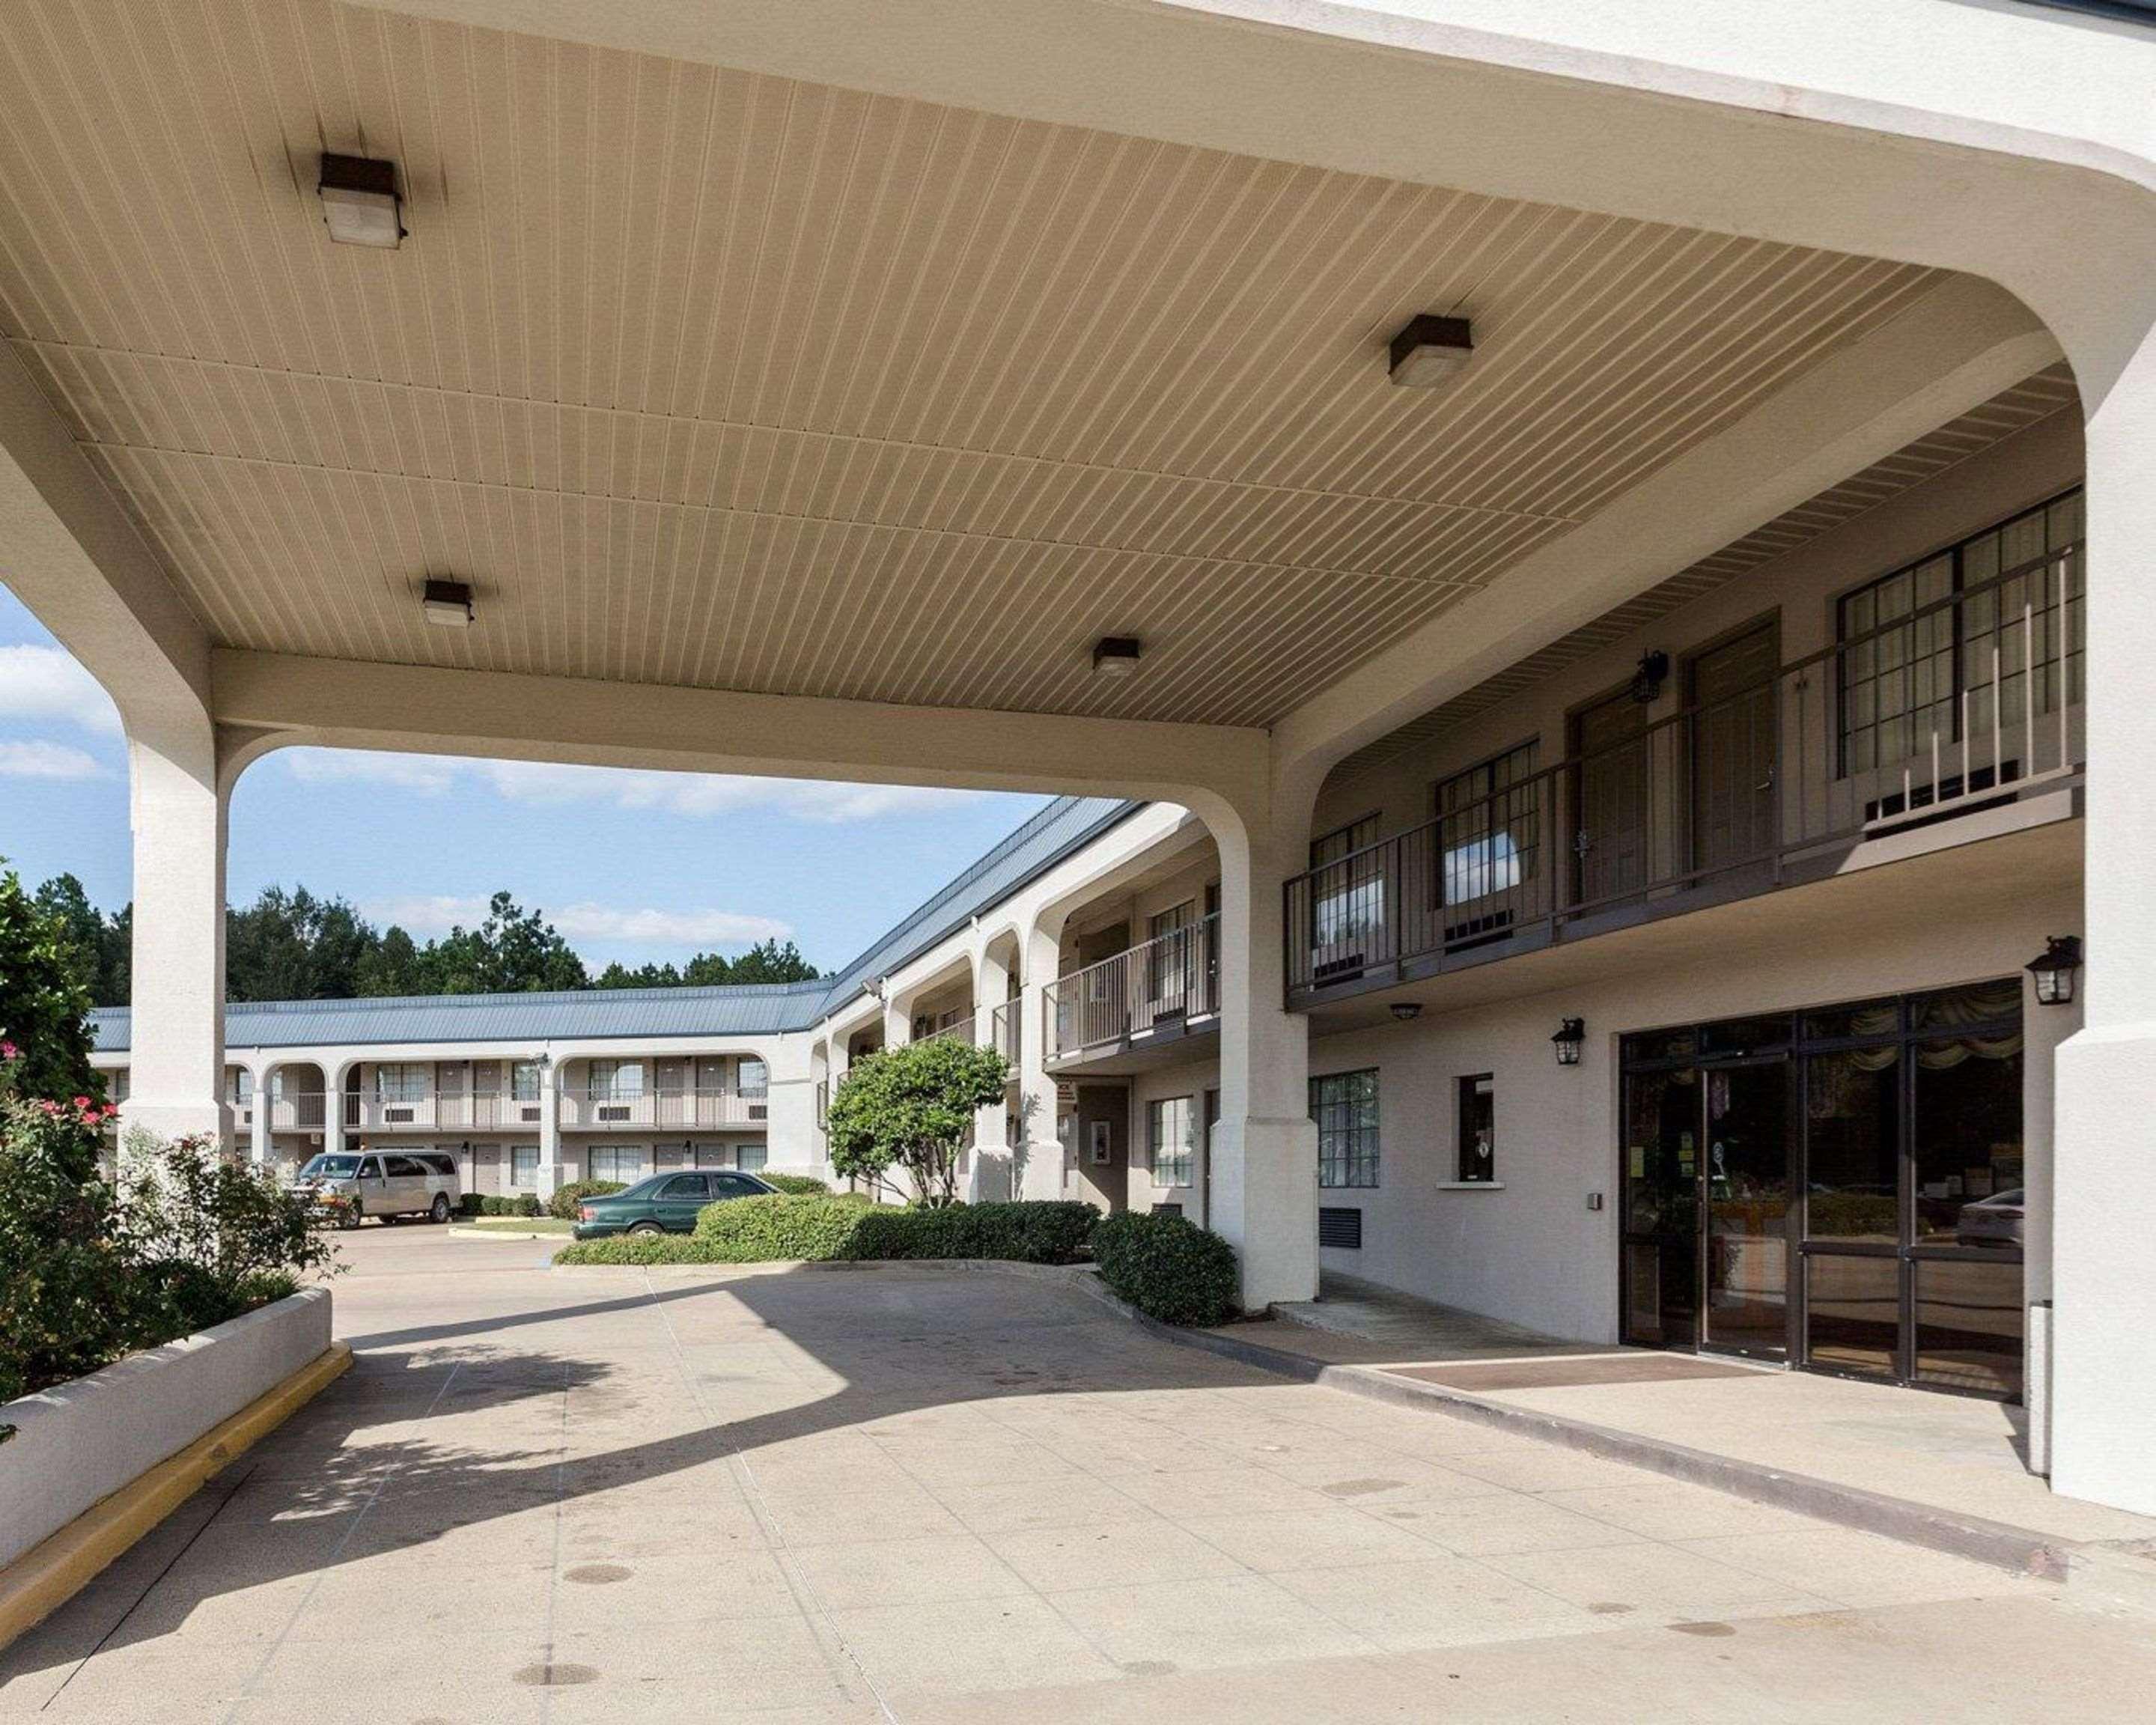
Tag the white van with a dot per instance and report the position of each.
(350, 1185)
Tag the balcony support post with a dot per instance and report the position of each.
(990, 1175)
(549, 1177)
(259, 1143)
(2102, 1389)
(1040, 1171)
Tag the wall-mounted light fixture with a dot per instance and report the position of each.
(1431, 350)
(1571, 1037)
(1407, 1011)
(448, 603)
(1116, 655)
(2054, 971)
(1654, 670)
(360, 202)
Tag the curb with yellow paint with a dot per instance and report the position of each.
(50, 1574)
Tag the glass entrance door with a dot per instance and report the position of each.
(1745, 1202)
(1662, 1208)
(1842, 1186)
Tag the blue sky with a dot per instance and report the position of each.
(629, 865)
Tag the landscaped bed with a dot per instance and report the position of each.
(1164, 1265)
(515, 1226)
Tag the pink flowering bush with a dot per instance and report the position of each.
(91, 1269)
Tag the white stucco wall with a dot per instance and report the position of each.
(83, 1441)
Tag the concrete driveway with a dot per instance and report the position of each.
(920, 1495)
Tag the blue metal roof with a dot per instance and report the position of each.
(760, 1010)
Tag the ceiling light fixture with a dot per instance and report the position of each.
(360, 202)
(1116, 655)
(1431, 350)
(448, 603)
(1407, 1011)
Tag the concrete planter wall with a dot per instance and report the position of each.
(78, 1442)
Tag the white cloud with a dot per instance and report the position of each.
(45, 683)
(434, 915)
(417, 773)
(652, 927)
(549, 784)
(619, 925)
(48, 760)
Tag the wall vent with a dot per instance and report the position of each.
(1342, 1229)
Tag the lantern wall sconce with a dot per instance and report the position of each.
(1653, 670)
(1570, 1038)
(2054, 971)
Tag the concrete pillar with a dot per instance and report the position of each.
(1040, 1151)
(550, 1177)
(333, 1077)
(1265, 1148)
(261, 1149)
(990, 1175)
(176, 1056)
(2103, 1350)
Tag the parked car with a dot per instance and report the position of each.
(1991, 1221)
(348, 1186)
(665, 1203)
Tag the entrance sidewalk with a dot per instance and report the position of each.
(1942, 1471)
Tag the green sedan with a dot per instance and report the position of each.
(665, 1203)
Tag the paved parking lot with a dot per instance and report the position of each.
(916, 1494)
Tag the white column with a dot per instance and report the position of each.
(333, 1077)
(259, 1147)
(177, 1053)
(2104, 1276)
(1264, 1149)
(1041, 1150)
(549, 1177)
(991, 1173)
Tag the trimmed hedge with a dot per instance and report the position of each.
(563, 1204)
(494, 1203)
(1049, 1232)
(1168, 1266)
(796, 1185)
(757, 1230)
(638, 1249)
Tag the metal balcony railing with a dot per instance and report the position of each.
(962, 1031)
(663, 1108)
(1170, 982)
(440, 1112)
(1001, 1030)
(1955, 706)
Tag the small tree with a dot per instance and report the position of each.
(912, 1108)
(44, 1006)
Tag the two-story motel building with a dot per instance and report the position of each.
(1668, 987)
(1503, 519)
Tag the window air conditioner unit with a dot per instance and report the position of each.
(613, 1111)
(395, 1117)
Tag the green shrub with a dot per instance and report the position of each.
(844, 1226)
(563, 1204)
(755, 1230)
(493, 1204)
(527, 1204)
(469, 1204)
(91, 1271)
(1035, 1233)
(641, 1249)
(1168, 1267)
(796, 1185)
